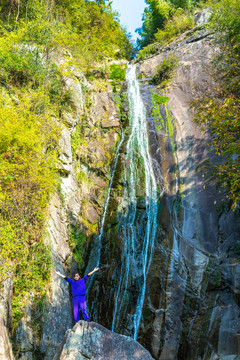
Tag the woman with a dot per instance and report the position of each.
(78, 293)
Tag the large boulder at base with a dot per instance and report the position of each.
(89, 340)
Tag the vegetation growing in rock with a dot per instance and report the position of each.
(161, 116)
(34, 98)
(219, 110)
(28, 159)
(165, 71)
(150, 49)
(180, 22)
(173, 27)
(76, 240)
(118, 72)
(162, 22)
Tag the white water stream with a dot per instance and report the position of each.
(115, 160)
(97, 255)
(137, 250)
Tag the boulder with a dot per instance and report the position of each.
(104, 109)
(65, 151)
(93, 341)
(90, 213)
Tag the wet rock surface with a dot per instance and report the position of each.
(93, 341)
(191, 306)
(198, 251)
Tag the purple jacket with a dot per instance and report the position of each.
(78, 287)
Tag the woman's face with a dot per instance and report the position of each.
(76, 277)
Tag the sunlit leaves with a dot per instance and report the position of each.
(42, 43)
(28, 160)
(219, 110)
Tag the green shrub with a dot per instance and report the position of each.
(150, 49)
(179, 23)
(28, 161)
(76, 242)
(158, 99)
(31, 277)
(118, 72)
(165, 71)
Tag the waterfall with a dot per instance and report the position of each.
(137, 245)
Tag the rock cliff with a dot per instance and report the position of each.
(191, 307)
(197, 298)
(192, 295)
(89, 135)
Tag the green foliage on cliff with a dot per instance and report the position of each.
(163, 20)
(161, 116)
(76, 242)
(219, 110)
(165, 71)
(179, 22)
(118, 72)
(89, 28)
(41, 44)
(173, 27)
(28, 159)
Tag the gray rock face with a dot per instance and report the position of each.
(66, 151)
(105, 110)
(198, 229)
(93, 341)
(191, 307)
(5, 302)
(202, 17)
(5, 345)
(24, 337)
(5, 320)
(205, 259)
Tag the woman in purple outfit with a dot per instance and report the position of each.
(78, 293)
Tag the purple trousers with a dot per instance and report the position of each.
(79, 302)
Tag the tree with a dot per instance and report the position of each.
(154, 16)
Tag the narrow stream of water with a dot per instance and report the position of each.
(98, 247)
(137, 249)
(115, 161)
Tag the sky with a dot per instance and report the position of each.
(130, 14)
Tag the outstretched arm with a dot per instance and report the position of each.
(96, 269)
(63, 276)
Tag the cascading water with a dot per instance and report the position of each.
(137, 247)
